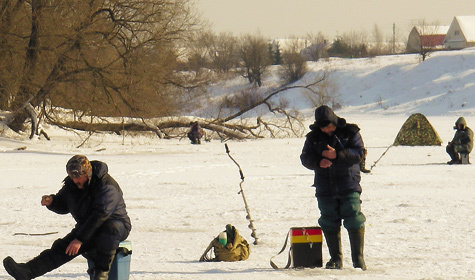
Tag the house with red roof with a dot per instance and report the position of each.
(426, 37)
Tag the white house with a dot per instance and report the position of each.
(461, 33)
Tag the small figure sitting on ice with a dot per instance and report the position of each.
(462, 143)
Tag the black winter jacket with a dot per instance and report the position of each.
(343, 176)
(99, 201)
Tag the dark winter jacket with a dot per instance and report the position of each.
(463, 138)
(195, 131)
(99, 201)
(343, 176)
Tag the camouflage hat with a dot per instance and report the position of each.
(78, 166)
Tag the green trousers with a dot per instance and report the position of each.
(334, 210)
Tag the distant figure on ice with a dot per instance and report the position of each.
(195, 133)
(462, 143)
(334, 150)
(95, 201)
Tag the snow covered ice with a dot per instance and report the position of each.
(180, 196)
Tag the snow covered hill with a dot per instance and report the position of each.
(444, 84)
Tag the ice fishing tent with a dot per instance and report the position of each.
(417, 131)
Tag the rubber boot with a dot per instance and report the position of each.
(45, 262)
(101, 275)
(19, 271)
(102, 265)
(334, 247)
(357, 247)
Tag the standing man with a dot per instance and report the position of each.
(461, 143)
(334, 149)
(95, 201)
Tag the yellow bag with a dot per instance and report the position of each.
(236, 248)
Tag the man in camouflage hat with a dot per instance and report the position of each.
(95, 201)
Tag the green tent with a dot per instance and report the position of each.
(417, 131)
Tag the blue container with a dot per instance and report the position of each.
(120, 268)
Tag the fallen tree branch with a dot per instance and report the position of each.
(230, 130)
(264, 100)
(35, 234)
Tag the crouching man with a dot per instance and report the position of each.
(95, 201)
(462, 143)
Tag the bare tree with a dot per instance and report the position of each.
(113, 57)
(317, 47)
(378, 41)
(223, 52)
(294, 65)
(325, 92)
(255, 57)
(211, 51)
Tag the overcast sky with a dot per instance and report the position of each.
(285, 18)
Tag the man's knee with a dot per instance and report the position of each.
(114, 229)
(449, 149)
(330, 219)
(109, 235)
(61, 244)
(355, 222)
(461, 149)
(351, 213)
(329, 224)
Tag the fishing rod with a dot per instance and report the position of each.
(374, 164)
(248, 216)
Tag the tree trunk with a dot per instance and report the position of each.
(34, 120)
(25, 92)
(17, 120)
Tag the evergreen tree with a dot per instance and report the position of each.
(277, 55)
(339, 48)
